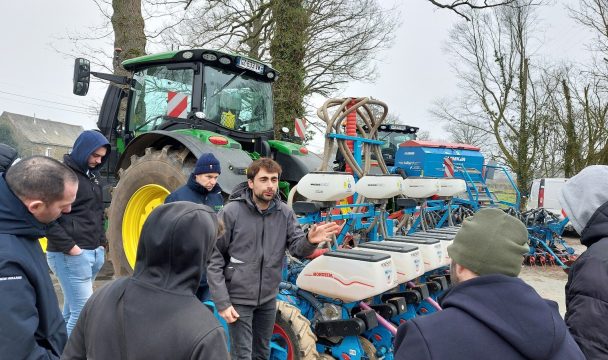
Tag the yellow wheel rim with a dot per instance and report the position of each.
(139, 207)
(43, 242)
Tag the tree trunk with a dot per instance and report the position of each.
(129, 39)
(287, 50)
(129, 36)
(572, 153)
(522, 170)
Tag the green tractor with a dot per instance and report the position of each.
(180, 105)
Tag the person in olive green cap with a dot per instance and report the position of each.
(489, 313)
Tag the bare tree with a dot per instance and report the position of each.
(499, 92)
(343, 38)
(472, 134)
(463, 7)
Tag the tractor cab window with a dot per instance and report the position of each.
(237, 101)
(159, 94)
(393, 139)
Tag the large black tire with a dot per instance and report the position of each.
(292, 331)
(166, 168)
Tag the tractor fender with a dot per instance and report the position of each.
(234, 162)
(296, 166)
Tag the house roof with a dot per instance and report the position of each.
(45, 132)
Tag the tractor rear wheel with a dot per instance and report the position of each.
(292, 331)
(142, 187)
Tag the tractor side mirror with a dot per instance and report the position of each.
(82, 76)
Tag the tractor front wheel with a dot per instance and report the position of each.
(142, 187)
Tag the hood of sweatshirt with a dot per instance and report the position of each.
(85, 145)
(584, 194)
(511, 309)
(175, 243)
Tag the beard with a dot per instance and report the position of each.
(453, 277)
(263, 198)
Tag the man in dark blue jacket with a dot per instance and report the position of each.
(75, 251)
(489, 313)
(202, 186)
(33, 193)
(585, 200)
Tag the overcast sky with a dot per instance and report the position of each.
(37, 80)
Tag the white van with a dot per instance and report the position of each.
(545, 194)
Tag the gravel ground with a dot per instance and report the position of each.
(548, 281)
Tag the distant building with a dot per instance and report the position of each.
(33, 136)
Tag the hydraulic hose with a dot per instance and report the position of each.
(390, 327)
(341, 110)
(303, 294)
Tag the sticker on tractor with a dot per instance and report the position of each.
(228, 120)
(300, 128)
(177, 104)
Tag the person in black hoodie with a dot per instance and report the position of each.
(75, 250)
(489, 313)
(584, 199)
(155, 314)
(7, 157)
(33, 193)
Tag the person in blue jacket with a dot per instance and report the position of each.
(489, 313)
(202, 188)
(75, 251)
(33, 193)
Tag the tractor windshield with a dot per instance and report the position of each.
(393, 139)
(237, 101)
(159, 93)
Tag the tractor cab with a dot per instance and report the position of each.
(208, 90)
(393, 135)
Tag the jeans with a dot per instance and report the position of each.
(250, 334)
(76, 275)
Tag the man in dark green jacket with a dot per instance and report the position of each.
(245, 269)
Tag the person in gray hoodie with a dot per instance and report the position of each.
(245, 269)
(584, 199)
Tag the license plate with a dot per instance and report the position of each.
(250, 65)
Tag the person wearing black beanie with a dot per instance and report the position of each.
(202, 188)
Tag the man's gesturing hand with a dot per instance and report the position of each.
(322, 232)
(229, 314)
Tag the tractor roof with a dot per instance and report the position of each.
(186, 56)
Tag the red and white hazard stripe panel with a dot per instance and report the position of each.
(177, 104)
(448, 166)
(300, 128)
